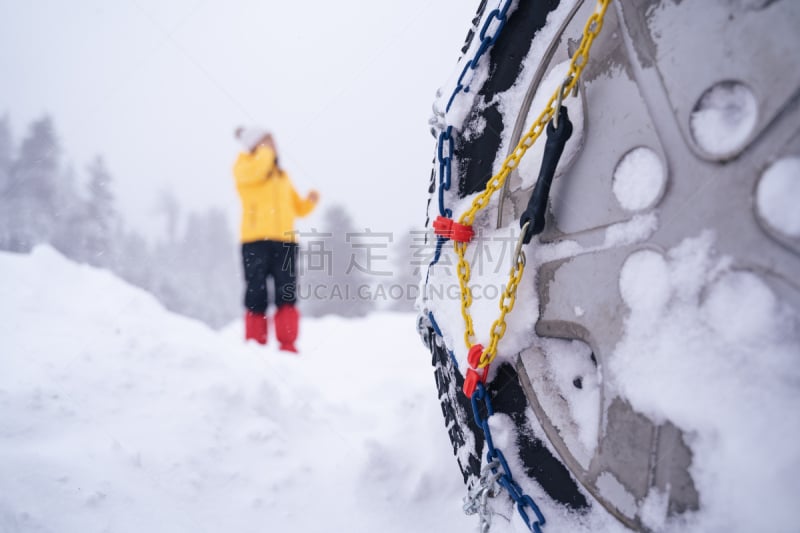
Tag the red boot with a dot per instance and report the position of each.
(286, 326)
(255, 327)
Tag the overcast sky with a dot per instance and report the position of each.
(158, 86)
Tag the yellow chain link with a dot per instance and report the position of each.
(579, 60)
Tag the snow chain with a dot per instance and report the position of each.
(496, 474)
(590, 31)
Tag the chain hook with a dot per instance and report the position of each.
(560, 99)
(519, 254)
(477, 499)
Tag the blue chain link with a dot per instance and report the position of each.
(445, 150)
(446, 136)
(486, 42)
(438, 331)
(506, 480)
(445, 160)
(444, 156)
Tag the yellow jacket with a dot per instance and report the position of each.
(269, 202)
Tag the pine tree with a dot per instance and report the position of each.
(168, 206)
(6, 161)
(198, 274)
(101, 227)
(68, 234)
(331, 281)
(6, 150)
(134, 260)
(70, 215)
(33, 189)
(210, 266)
(403, 288)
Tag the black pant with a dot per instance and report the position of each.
(269, 258)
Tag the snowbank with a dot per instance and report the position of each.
(116, 415)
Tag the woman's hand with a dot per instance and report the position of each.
(313, 196)
(267, 140)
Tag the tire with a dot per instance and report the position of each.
(642, 89)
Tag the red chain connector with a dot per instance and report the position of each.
(472, 378)
(474, 355)
(450, 229)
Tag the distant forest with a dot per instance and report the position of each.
(197, 271)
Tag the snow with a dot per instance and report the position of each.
(489, 257)
(506, 518)
(706, 346)
(637, 229)
(122, 416)
(644, 282)
(777, 194)
(563, 362)
(116, 415)
(712, 349)
(724, 118)
(638, 179)
(654, 510)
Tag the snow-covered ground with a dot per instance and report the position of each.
(118, 416)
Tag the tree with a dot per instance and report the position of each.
(331, 281)
(168, 206)
(6, 151)
(6, 161)
(68, 235)
(101, 223)
(33, 188)
(404, 286)
(135, 260)
(210, 261)
(198, 274)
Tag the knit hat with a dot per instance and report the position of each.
(250, 137)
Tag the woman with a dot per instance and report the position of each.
(269, 248)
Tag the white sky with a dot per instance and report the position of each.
(158, 87)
